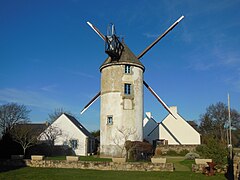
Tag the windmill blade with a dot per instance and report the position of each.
(159, 99)
(139, 56)
(91, 102)
(150, 46)
(159, 38)
(97, 31)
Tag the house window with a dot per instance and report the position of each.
(109, 120)
(127, 89)
(127, 69)
(73, 143)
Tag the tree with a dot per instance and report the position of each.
(215, 122)
(96, 133)
(56, 114)
(213, 149)
(50, 135)
(25, 135)
(11, 114)
(121, 140)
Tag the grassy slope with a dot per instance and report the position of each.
(182, 171)
(180, 163)
(51, 173)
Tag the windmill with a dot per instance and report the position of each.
(122, 92)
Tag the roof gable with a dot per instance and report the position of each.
(179, 118)
(78, 125)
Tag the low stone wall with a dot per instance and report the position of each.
(177, 148)
(128, 166)
(198, 168)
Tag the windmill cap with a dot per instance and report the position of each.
(127, 57)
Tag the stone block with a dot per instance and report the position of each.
(119, 160)
(202, 161)
(37, 157)
(72, 158)
(158, 160)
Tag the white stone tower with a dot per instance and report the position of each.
(121, 113)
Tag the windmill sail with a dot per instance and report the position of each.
(159, 38)
(139, 56)
(91, 102)
(159, 99)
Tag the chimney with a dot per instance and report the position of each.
(149, 115)
(173, 109)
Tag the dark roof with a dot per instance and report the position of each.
(79, 125)
(127, 57)
(193, 124)
(36, 129)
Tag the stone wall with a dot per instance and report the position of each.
(128, 166)
(177, 148)
(198, 168)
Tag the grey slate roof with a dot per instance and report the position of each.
(79, 125)
(193, 124)
(127, 57)
(36, 129)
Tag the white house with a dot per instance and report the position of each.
(66, 130)
(170, 130)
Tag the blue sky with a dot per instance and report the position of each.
(50, 58)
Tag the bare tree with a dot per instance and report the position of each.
(215, 122)
(50, 135)
(11, 114)
(25, 135)
(120, 140)
(56, 114)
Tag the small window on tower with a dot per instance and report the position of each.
(127, 89)
(109, 120)
(127, 69)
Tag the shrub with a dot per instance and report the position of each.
(191, 156)
(137, 150)
(183, 152)
(172, 153)
(214, 150)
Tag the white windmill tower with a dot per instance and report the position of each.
(121, 93)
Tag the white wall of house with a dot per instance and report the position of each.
(175, 131)
(150, 128)
(69, 131)
(181, 131)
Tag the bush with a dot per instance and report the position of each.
(214, 150)
(191, 156)
(183, 152)
(137, 150)
(172, 153)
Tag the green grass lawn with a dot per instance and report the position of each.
(182, 171)
(51, 173)
(180, 164)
